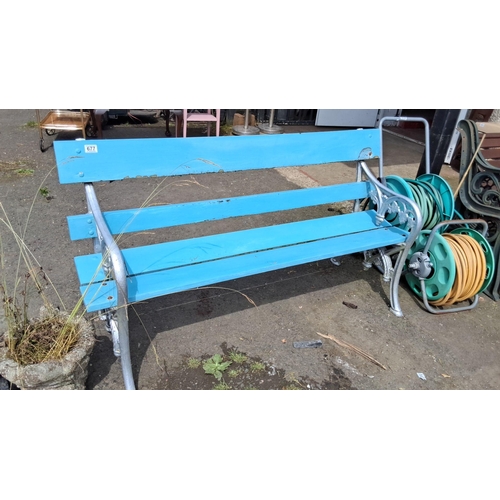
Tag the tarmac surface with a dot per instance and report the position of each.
(261, 316)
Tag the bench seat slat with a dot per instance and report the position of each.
(146, 286)
(152, 258)
(113, 159)
(149, 218)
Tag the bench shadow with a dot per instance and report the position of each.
(190, 308)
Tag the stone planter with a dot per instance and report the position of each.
(69, 372)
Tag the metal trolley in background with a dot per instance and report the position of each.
(60, 119)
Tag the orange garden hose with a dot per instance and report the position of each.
(470, 269)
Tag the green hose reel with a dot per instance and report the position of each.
(430, 192)
(441, 266)
(436, 268)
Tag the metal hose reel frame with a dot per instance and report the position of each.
(425, 251)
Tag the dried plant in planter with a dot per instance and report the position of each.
(62, 345)
(42, 339)
(51, 351)
(35, 340)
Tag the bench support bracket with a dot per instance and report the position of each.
(409, 219)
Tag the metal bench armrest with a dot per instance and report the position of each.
(112, 254)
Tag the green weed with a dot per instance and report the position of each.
(215, 366)
(222, 386)
(16, 166)
(233, 373)
(257, 367)
(25, 171)
(237, 357)
(193, 363)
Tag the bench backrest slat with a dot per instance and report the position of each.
(155, 217)
(111, 159)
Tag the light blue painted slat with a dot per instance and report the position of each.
(146, 219)
(114, 159)
(152, 258)
(152, 285)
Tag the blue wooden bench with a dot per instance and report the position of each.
(111, 278)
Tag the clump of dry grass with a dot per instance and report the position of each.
(42, 339)
(33, 340)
